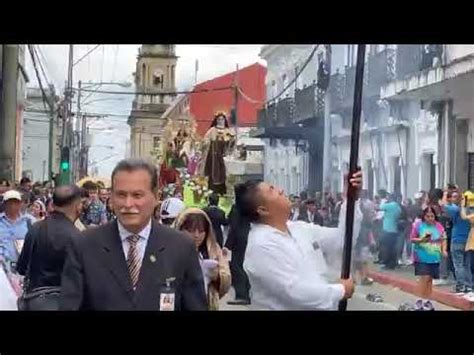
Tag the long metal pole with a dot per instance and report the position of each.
(51, 142)
(236, 102)
(65, 177)
(68, 101)
(78, 149)
(353, 167)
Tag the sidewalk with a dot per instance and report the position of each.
(404, 278)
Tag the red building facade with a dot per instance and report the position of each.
(251, 81)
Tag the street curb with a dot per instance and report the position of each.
(409, 286)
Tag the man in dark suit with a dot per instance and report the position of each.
(239, 228)
(47, 241)
(133, 263)
(217, 217)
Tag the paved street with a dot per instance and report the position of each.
(393, 297)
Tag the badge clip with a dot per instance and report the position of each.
(169, 280)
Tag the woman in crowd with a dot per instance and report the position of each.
(38, 210)
(109, 211)
(429, 245)
(215, 268)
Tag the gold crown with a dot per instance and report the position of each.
(220, 113)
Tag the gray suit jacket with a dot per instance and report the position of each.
(96, 276)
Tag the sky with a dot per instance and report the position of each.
(117, 63)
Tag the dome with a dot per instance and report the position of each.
(157, 49)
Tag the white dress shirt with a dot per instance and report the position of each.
(7, 293)
(295, 214)
(142, 242)
(288, 271)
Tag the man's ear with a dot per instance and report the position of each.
(262, 211)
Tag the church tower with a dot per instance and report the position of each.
(155, 91)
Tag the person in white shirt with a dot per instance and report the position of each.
(284, 260)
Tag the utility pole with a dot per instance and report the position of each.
(65, 170)
(8, 107)
(196, 68)
(327, 129)
(78, 135)
(84, 147)
(51, 136)
(234, 114)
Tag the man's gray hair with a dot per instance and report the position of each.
(137, 164)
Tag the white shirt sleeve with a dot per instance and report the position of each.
(276, 272)
(331, 239)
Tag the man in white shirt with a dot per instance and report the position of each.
(284, 260)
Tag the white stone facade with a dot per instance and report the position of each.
(286, 166)
(440, 140)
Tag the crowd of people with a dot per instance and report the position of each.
(430, 232)
(42, 244)
(38, 229)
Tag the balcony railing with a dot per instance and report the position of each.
(349, 86)
(305, 104)
(336, 91)
(284, 112)
(412, 58)
(380, 70)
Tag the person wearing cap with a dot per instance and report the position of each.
(13, 227)
(170, 210)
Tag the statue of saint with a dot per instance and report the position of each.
(177, 147)
(218, 142)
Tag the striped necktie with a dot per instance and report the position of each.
(133, 260)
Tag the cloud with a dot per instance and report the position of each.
(117, 63)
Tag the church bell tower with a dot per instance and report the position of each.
(154, 92)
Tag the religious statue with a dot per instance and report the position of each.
(218, 142)
(181, 149)
(177, 149)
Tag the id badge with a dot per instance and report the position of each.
(167, 297)
(167, 302)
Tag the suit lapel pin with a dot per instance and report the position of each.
(152, 258)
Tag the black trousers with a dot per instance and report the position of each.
(240, 280)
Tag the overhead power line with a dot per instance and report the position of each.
(248, 98)
(40, 83)
(155, 93)
(85, 55)
(38, 50)
(307, 61)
